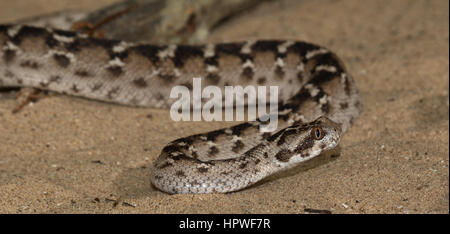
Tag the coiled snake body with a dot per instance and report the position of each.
(318, 98)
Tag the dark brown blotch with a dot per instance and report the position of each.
(115, 70)
(300, 76)
(248, 73)
(148, 51)
(211, 136)
(9, 55)
(307, 143)
(279, 72)
(82, 73)
(322, 77)
(30, 64)
(213, 78)
(180, 173)
(27, 32)
(261, 80)
(266, 46)
(211, 61)
(61, 60)
(265, 135)
(325, 108)
(140, 82)
(238, 146)
(202, 169)
(185, 52)
(194, 154)
(284, 155)
(347, 87)
(302, 48)
(51, 42)
(344, 105)
(229, 49)
(240, 128)
(213, 151)
(171, 148)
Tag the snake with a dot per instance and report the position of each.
(318, 101)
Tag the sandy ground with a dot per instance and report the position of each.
(70, 155)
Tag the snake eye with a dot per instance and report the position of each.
(317, 133)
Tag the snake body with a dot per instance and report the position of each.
(318, 98)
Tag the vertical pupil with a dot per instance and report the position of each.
(317, 133)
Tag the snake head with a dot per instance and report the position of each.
(325, 133)
(301, 142)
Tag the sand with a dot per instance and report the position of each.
(71, 155)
